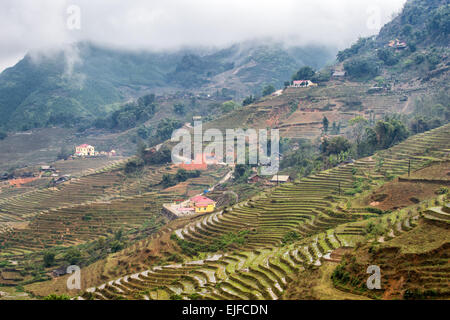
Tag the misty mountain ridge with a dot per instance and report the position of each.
(90, 81)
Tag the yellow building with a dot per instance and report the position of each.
(85, 150)
(202, 204)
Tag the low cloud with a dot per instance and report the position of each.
(46, 25)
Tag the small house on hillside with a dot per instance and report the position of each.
(47, 169)
(397, 44)
(255, 178)
(339, 74)
(277, 93)
(85, 150)
(59, 272)
(202, 204)
(303, 84)
(280, 179)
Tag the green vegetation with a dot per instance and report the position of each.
(229, 106)
(362, 43)
(290, 237)
(182, 175)
(64, 153)
(179, 109)
(248, 100)
(49, 258)
(57, 297)
(305, 73)
(361, 68)
(223, 243)
(130, 115)
(268, 90)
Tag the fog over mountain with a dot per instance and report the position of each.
(48, 25)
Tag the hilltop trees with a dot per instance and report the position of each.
(389, 132)
(383, 135)
(305, 73)
(361, 68)
(269, 89)
(335, 146)
(129, 115)
(439, 23)
(229, 106)
(354, 49)
(388, 56)
(248, 100)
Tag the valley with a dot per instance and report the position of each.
(363, 180)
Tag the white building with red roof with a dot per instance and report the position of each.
(85, 150)
(202, 204)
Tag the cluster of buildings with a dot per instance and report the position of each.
(276, 179)
(86, 150)
(197, 204)
(397, 44)
(303, 84)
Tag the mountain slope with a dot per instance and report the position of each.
(86, 80)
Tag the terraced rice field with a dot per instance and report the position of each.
(75, 225)
(87, 208)
(258, 274)
(262, 267)
(100, 186)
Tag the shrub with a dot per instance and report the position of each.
(442, 190)
(49, 258)
(290, 237)
(57, 297)
(374, 210)
(361, 68)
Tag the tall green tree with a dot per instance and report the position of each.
(305, 73)
(325, 124)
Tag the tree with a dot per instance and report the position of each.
(358, 125)
(146, 100)
(181, 175)
(361, 68)
(390, 132)
(229, 106)
(49, 258)
(165, 128)
(64, 153)
(3, 135)
(239, 171)
(73, 256)
(269, 89)
(335, 146)
(248, 100)
(325, 124)
(140, 152)
(305, 73)
(388, 56)
(167, 180)
(179, 109)
(133, 165)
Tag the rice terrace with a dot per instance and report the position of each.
(213, 165)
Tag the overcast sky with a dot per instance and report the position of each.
(44, 25)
